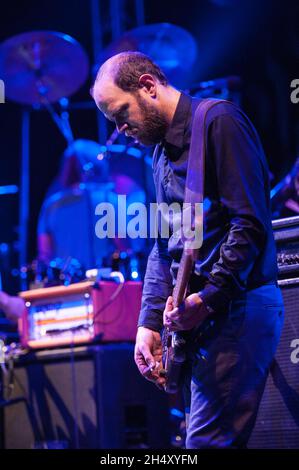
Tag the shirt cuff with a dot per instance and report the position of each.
(214, 299)
(151, 326)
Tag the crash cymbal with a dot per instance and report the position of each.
(173, 48)
(42, 66)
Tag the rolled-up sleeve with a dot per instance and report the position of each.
(237, 155)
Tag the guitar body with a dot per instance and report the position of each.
(174, 343)
(173, 358)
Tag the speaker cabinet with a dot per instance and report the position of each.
(85, 397)
(277, 425)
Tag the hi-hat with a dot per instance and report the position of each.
(42, 66)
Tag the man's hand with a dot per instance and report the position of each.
(148, 355)
(189, 314)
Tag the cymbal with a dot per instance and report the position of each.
(42, 66)
(173, 48)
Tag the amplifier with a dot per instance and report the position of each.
(82, 397)
(286, 234)
(80, 313)
(277, 424)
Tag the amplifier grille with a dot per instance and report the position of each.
(277, 425)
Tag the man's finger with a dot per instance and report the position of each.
(148, 357)
(145, 370)
(173, 313)
(169, 304)
(170, 317)
(153, 376)
(150, 373)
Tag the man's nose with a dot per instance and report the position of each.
(121, 128)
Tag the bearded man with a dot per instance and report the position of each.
(235, 312)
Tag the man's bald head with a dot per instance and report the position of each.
(108, 69)
(125, 69)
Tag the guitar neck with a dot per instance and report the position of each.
(183, 276)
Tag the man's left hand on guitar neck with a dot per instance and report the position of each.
(189, 314)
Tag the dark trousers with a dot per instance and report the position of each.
(228, 362)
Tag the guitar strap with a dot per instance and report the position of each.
(194, 189)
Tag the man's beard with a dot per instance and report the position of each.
(154, 125)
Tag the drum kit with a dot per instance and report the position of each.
(42, 69)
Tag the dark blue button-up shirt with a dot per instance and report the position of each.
(238, 250)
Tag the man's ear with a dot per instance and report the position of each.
(148, 84)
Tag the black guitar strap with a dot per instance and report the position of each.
(194, 189)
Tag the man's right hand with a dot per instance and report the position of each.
(148, 355)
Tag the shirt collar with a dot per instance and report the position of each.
(176, 132)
